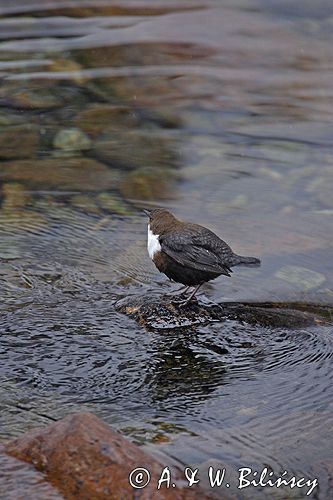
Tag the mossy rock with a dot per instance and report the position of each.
(70, 140)
(148, 183)
(113, 204)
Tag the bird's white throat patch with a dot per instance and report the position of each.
(153, 245)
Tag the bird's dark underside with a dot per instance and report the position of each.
(182, 274)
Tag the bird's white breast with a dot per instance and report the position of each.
(153, 245)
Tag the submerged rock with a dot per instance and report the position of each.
(14, 195)
(20, 141)
(304, 278)
(108, 202)
(147, 183)
(168, 313)
(30, 95)
(96, 118)
(130, 149)
(87, 460)
(112, 203)
(7, 119)
(63, 173)
(84, 202)
(72, 139)
(72, 68)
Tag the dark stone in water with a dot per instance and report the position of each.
(168, 312)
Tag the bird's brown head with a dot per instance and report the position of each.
(161, 221)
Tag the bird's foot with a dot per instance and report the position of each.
(191, 297)
(179, 302)
(181, 291)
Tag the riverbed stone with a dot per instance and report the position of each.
(87, 460)
(84, 202)
(130, 149)
(72, 68)
(70, 140)
(7, 119)
(96, 118)
(147, 183)
(82, 174)
(112, 203)
(98, 203)
(19, 141)
(14, 195)
(304, 278)
(30, 96)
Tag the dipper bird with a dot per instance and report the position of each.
(188, 253)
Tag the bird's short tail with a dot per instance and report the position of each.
(246, 261)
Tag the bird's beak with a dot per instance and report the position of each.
(147, 212)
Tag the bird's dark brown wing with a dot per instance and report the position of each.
(198, 248)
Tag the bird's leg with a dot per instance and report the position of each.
(192, 295)
(178, 294)
(182, 290)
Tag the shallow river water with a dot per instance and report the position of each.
(222, 112)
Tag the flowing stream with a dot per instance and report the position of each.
(222, 112)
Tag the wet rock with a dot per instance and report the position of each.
(113, 204)
(148, 183)
(165, 117)
(29, 96)
(84, 202)
(287, 152)
(304, 278)
(207, 149)
(202, 121)
(133, 149)
(95, 119)
(87, 460)
(14, 195)
(109, 202)
(70, 140)
(142, 91)
(19, 141)
(62, 173)
(7, 119)
(21, 481)
(168, 313)
(162, 53)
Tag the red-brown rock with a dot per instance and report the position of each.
(21, 481)
(86, 460)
